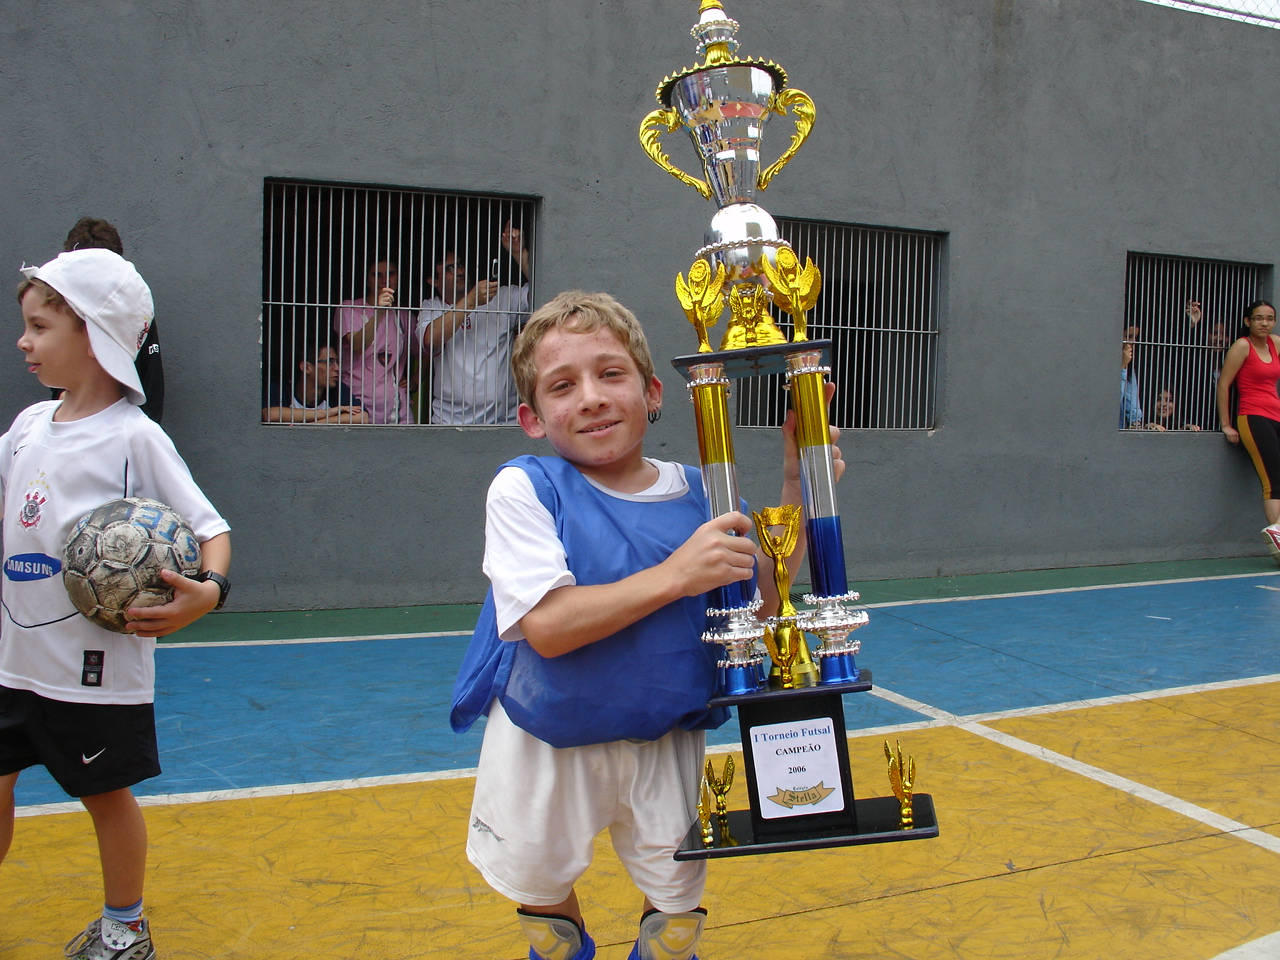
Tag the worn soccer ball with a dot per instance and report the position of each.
(115, 554)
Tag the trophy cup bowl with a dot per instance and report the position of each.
(725, 110)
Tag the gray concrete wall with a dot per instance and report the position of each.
(1045, 137)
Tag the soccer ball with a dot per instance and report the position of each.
(115, 554)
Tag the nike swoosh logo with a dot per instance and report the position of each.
(84, 759)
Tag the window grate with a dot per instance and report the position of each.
(879, 307)
(1180, 316)
(327, 251)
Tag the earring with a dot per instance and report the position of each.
(654, 414)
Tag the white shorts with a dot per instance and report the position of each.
(538, 808)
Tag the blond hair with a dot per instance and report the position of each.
(52, 298)
(577, 312)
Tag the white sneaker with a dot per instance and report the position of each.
(106, 939)
(1271, 534)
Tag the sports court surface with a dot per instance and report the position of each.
(1102, 747)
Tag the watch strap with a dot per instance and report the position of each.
(224, 585)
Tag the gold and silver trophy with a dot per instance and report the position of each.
(791, 715)
(724, 104)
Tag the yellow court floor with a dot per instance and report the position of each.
(1143, 828)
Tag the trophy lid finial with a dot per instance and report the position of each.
(715, 33)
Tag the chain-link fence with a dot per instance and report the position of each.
(1264, 13)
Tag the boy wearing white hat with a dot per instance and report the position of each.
(75, 698)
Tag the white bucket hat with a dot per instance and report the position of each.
(113, 300)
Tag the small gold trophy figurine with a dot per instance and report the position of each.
(902, 779)
(702, 298)
(704, 813)
(786, 644)
(720, 788)
(783, 650)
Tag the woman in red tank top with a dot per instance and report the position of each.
(1253, 365)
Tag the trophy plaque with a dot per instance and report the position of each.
(791, 714)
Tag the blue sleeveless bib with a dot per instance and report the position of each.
(639, 683)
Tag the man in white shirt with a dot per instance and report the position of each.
(469, 335)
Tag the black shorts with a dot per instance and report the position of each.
(1261, 437)
(89, 748)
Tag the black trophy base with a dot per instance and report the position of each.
(753, 361)
(877, 819)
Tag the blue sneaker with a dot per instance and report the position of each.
(586, 952)
(635, 953)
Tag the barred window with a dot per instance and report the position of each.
(1180, 316)
(359, 289)
(879, 307)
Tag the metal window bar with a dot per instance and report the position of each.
(332, 351)
(879, 307)
(1177, 348)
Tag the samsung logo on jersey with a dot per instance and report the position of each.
(31, 566)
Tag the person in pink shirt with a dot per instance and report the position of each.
(376, 338)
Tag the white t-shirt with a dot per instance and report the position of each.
(471, 381)
(52, 474)
(523, 556)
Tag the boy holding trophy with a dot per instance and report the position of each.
(588, 657)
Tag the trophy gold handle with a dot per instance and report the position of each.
(804, 110)
(651, 128)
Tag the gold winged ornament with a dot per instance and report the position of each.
(750, 324)
(902, 779)
(795, 288)
(702, 298)
(704, 813)
(719, 787)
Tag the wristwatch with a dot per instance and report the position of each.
(224, 585)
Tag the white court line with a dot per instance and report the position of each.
(1150, 794)
(941, 718)
(1168, 801)
(247, 793)
(937, 718)
(1119, 698)
(1265, 948)
(1045, 593)
(271, 643)
(868, 606)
